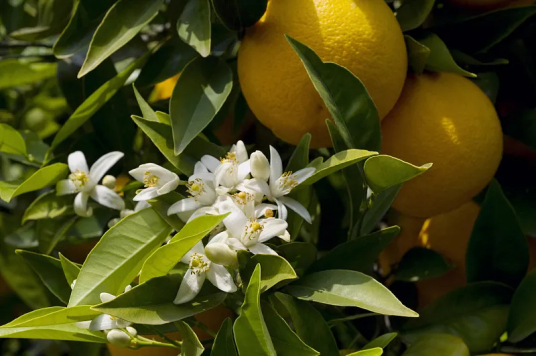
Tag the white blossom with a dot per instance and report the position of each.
(158, 181)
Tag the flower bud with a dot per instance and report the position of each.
(220, 254)
(133, 332)
(118, 338)
(109, 181)
(126, 212)
(260, 167)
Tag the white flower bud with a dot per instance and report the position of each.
(220, 254)
(118, 338)
(126, 212)
(112, 222)
(133, 332)
(260, 167)
(108, 181)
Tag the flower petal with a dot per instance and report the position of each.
(206, 210)
(243, 170)
(303, 174)
(107, 197)
(297, 207)
(64, 187)
(261, 209)
(235, 221)
(183, 205)
(80, 205)
(163, 174)
(272, 227)
(236, 244)
(103, 164)
(241, 152)
(258, 186)
(261, 248)
(222, 237)
(190, 286)
(102, 322)
(77, 162)
(222, 174)
(198, 248)
(282, 212)
(141, 205)
(169, 186)
(200, 168)
(147, 194)
(276, 166)
(221, 278)
(210, 162)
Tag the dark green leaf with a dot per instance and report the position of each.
(11, 141)
(381, 341)
(51, 231)
(421, 263)
(417, 54)
(24, 237)
(380, 204)
(224, 342)
(412, 13)
(146, 111)
(521, 320)
(384, 172)
(370, 352)
(162, 204)
(438, 345)
(191, 346)
(237, 15)
(70, 269)
(440, 59)
(300, 255)
(48, 206)
(14, 73)
(194, 26)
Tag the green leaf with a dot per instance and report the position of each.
(381, 341)
(498, 249)
(440, 59)
(384, 172)
(275, 269)
(335, 163)
(67, 332)
(14, 73)
(199, 94)
(421, 263)
(141, 305)
(438, 345)
(300, 255)
(380, 204)
(237, 15)
(161, 206)
(304, 316)
(95, 101)
(122, 22)
(24, 237)
(194, 26)
(377, 351)
(477, 313)
(160, 134)
(358, 254)
(250, 330)
(44, 177)
(161, 261)
(53, 316)
(146, 111)
(11, 141)
(117, 259)
(464, 58)
(191, 346)
(48, 206)
(412, 13)
(418, 54)
(52, 231)
(70, 269)
(346, 98)
(286, 342)
(224, 342)
(349, 289)
(50, 271)
(521, 321)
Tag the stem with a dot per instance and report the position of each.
(350, 318)
(201, 326)
(144, 342)
(176, 344)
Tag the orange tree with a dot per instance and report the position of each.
(268, 177)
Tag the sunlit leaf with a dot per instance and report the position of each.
(194, 25)
(384, 172)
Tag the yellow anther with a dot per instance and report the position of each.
(195, 187)
(269, 213)
(255, 226)
(150, 180)
(242, 195)
(79, 178)
(195, 263)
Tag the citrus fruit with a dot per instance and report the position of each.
(361, 35)
(163, 90)
(489, 4)
(447, 120)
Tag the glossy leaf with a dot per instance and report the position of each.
(349, 289)
(412, 13)
(440, 59)
(11, 141)
(50, 271)
(44, 177)
(95, 101)
(303, 316)
(275, 269)
(521, 321)
(381, 341)
(286, 342)
(380, 204)
(14, 73)
(250, 330)
(498, 249)
(191, 346)
(199, 94)
(335, 163)
(122, 22)
(67, 332)
(300, 255)
(141, 305)
(384, 172)
(161, 261)
(417, 54)
(161, 206)
(237, 15)
(48, 206)
(438, 345)
(224, 341)
(118, 256)
(53, 316)
(70, 269)
(421, 263)
(370, 352)
(358, 254)
(346, 98)
(146, 111)
(194, 26)
(51, 231)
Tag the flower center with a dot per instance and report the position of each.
(287, 182)
(150, 180)
(198, 264)
(79, 178)
(195, 187)
(242, 198)
(269, 213)
(253, 230)
(230, 157)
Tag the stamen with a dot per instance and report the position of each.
(243, 198)
(198, 264)
(79, 178)
(253, 230)
(150, 180)
(195, 187)
(269, 213)
(288, 181)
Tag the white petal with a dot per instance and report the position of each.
(163, 174)
(207, 177)
(276, 166)
(200, 168)
(77, 162)
(183, 205)
(65, 186)
(103, 164)
(169, 186)
(235, 222)
(221, 278)
(106, 297)
(190, 286)
(282, 212)
(222, 175)
(258, 186)
(141, 205)
(261, 248)
(146, 194)
(222, 237)
(260, 167)
(241, 152)
(243, 170)
(107, 197)
(102, 322)
(303, 174)
(198, 248)
(297, 207)
(206, 210)
(236, 244)
(285, 236)
(261, 209)
(210, 162)
(80, 205)
(272, 227)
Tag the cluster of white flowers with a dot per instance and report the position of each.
(252, 190)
